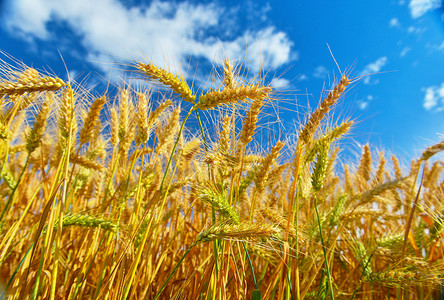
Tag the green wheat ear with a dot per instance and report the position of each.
(320, 170)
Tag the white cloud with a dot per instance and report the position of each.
(420, 7)
(320, 72)
(109, 31)
(434, 97)
(394, 22)
(373, 67)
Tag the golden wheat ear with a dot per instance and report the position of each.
(432, 150)
(177, 84)
(316, 118)
(234, 94)
(30, 82)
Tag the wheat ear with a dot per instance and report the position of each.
(142, 118)
(228, 74)
(228, 95)
(365, 166)
(86, 221)
(429, 152)
(31, 84)
(91, 120)
(321, 165)
(84, 162)
(177, 84)
(242, 231)
(35, 134)
(323, 109)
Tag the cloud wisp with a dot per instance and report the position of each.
(372, 68)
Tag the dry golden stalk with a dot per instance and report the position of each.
(34, 136)
(213, 99)
(315, 119)
(31, 84)
(91, 120)
(85, 162)
(177, 84)
(432, 150)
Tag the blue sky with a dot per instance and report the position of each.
(400, 109)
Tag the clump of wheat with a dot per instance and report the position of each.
(196, 211)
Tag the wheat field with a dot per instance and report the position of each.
(122, 197)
